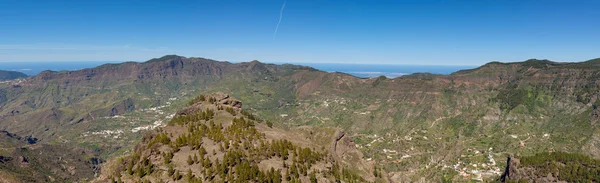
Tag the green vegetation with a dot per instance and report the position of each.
(200, 98)
(513, 96)
(512, 108)
(378, 81)
(241, 149)
(47, 163)
(8, 75)
(564, 166)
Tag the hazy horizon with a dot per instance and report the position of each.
(358, 70)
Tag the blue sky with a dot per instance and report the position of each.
(423, 32)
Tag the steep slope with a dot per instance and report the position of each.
(10, 75)
(552, 167)
(457, 127)
(214, 140)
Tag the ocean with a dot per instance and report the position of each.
(388, 70)
(34, 68)
(358, 70)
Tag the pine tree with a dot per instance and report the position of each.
(287, 176)
(189, 175)
(313, 177)
(170, 171)
(176, 176)
(190, 161)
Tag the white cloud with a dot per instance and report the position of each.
(280, 17)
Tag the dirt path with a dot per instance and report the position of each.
(442, 118)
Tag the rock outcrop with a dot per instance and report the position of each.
(551, 167)
(224, 100)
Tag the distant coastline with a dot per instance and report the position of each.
(387, 70)
(34, 68)
(358, 70)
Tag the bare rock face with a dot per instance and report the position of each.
(344, 149)
(232, 102)
(338, 137)
(510, 171)
(221, 99)
(219, 96)
(227, 101)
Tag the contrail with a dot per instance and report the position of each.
(280, 17)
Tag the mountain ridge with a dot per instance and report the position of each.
(414, 126)
(10, 75)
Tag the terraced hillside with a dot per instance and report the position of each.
(457, 127)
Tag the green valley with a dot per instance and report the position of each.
(420, 127)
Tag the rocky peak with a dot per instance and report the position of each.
(230, 102)
(219, 98)
(166, 58)
(224, 99)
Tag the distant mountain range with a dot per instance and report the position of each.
(459, 127)
(8, 75)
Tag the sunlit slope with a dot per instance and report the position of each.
(414, 126)
(215, 140)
